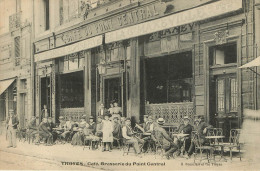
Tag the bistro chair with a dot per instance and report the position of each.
(126, 147)
(202, 148)
(234, 145)
(217, 143)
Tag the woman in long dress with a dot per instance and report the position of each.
(107, 129)
(117, 112)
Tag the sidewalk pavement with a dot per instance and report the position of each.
(66, 154)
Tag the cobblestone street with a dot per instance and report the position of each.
(30, 156)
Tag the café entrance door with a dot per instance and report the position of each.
(112, 91)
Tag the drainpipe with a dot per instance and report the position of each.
(32, 62)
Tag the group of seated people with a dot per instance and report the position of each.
(108, 129)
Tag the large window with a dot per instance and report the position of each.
(169, 78)
(72, 90)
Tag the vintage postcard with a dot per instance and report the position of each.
(129, 84)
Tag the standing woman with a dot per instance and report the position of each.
(117, 111)
(107, 129)
(111, 109)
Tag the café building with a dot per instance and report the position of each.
(165, 59)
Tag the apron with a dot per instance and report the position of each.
(107, 131)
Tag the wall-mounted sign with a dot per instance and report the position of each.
(130, 17)
(193, 15)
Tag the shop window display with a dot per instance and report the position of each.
(169, 78)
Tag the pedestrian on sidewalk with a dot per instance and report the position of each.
(11, 122)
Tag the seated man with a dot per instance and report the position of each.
(44, 132)
(161, 137)
(129, 137)
(51, 125)
(88, 135)
(200, 126)
(67, 129)
(32, 128)
(185, 128)
(92, 124)
(117, 130)
(147, 127)
(99, 127)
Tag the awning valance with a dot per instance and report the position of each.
(193, 15)
(253, 63)
(73, 48)
(5, 84)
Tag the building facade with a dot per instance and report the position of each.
(16, 78)
(168, 59)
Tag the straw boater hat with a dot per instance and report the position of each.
(61, 118)
(160, 121)
(91, 117)
(127, 119)
(186, 118)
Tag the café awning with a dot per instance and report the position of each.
(253, 63)
(5, 84)
(73, 48)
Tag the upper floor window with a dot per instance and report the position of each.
(47, 14)
(223, 54)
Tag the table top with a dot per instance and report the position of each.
(180, 135)
(147, 133)
(214, 137)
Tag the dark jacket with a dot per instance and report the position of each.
(185, 129)
(32, 125)
(200, 127)
(117, 131)
(159, 135)
(15, 121)
(93, 127)
(43, 128)
(51, 126)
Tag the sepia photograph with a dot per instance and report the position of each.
(129, 85)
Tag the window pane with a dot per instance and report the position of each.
(233, 94)
(66, 63)
(221, 95)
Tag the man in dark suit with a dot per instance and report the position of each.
(11, 122)
(32, 128)
(184, 128)
(200, 126)
(92, 124)
(102, 110)
(44, 132)
(51, 125)
(160, 136)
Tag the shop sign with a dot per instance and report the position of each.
(190, 16)
(115, 22)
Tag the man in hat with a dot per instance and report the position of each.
(200, 126)
(161, 137)
(51, 125)
(128, 135)
(184, 128)
(45, 133)
(11, 122)
(32, 128)
(68, 128)
(99, 127)
(92, 124)
(117, 129)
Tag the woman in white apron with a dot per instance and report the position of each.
(107, 129)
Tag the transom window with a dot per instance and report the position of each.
(223, 54)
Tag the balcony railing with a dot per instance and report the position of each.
(172, 113)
